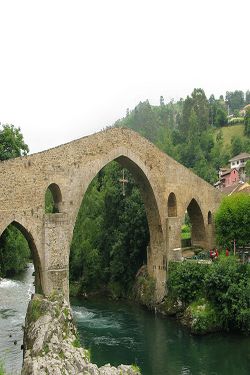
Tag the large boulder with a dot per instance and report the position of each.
(51, 342)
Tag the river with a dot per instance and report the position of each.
(122, 332)
(15, 294)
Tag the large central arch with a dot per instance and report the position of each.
(156, 248)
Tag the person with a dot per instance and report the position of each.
(216, 253)
(227, 252)
(211, 254)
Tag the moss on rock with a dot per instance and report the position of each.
(200, 316)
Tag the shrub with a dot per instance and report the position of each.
(186, 280)
(232, 220)
(202, 316)
(227, 286)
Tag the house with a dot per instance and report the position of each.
(239, 162)
(231, 180)
(229, 177)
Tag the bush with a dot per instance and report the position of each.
(236, 120)
(186, 280)
(201, 316)
(232, 220)
(227, 286)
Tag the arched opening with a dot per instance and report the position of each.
(17, 248)
(19, 271)
(198, 235)
(193, 231)
(172, 205)
(209, 217)
(117, 229)
(186, 229)
(53, 199)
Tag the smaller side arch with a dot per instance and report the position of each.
(172, 205)
(198, 233)
(34, 253)
(209, 217)
(53, 199)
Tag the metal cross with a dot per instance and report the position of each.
(124, 181)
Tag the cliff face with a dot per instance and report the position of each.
(51, 343)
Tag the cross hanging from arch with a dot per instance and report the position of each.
(124, 181)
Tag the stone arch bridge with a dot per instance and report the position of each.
(168, 189)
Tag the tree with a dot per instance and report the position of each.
(14, 252)
(247, 169)
(11, 142)
(247, 122)
(247, 100)
(232, 220)
(236, 145)
(110, 235)
(201, 108)
(220, 117)
(235, 100)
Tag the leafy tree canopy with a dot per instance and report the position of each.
(12, 143)
(233, 220)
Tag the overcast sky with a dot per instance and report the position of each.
(70, 68)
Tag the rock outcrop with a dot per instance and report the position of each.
(52, 346)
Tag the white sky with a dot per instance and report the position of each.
(68, 68)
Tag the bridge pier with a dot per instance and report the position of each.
(56, 253)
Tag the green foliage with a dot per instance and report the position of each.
(247, 122)
(203, 316)
(11, 142)
(236, 146)
(144, 290)
(232, 220)
(227, 286)
(185, 231)
(35, 310)
(76, 343)
(110, 236)
(218, 294)
(46, 349)
(235, 100)
(2, 370)
(14, 252)
(136, 369)
(87, 353)
(247, 169)
(185, 280)
(236, 120)
(49, 202)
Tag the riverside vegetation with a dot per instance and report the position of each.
(209, 297)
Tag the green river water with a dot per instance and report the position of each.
(122, 332)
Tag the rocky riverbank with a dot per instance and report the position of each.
(52, 346)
